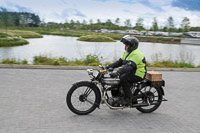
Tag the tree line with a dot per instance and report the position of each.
(139, 25)
(24, 19)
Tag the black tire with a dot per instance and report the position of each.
(82, 99)
(156, 97)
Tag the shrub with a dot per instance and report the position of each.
(91, 59)
(10, 61)
(96, 38)
(24, 62)
(14, 61)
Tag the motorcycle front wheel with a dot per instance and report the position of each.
(83, 98)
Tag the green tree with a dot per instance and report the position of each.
(108, 21)
(195, 28)
(66, 25)
(6, 19)
(117, 21)
(98, 21)
(72, 23)
(128, 23)
(35, 20)
(77, 24)
(170, 25)
(155, 24)
(84, 22)
(185, 24)
(91, 21)
(23, 20)
(139, 24)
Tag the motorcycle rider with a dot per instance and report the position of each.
(133, 67)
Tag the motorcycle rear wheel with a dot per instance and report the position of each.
(154, 98)
(83, 98)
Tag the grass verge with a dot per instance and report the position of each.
(14, 61)
(172, 64)
(92, 60)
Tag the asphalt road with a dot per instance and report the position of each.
(33, 101)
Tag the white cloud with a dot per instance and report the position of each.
(62, 10)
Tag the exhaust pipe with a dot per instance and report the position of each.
(143, 104)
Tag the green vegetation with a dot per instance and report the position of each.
(9, 41)
(9, 38)
(90, 60)
(185, 60)
(171, 64)
(14, 61)
(22, 19)
(31, 22)
(23, 34)
(79, 33)
(93, 60)
(96, 38)
(159, 39)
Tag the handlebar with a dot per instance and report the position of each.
(102, 68)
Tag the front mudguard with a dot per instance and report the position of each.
(95, 88)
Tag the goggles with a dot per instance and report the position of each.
(124, 41)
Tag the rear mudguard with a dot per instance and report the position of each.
(148, 83)
(92, 85)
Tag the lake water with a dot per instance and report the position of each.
(69, 47)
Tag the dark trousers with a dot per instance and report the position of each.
(125, 80)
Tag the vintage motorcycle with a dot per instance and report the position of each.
(85, 96)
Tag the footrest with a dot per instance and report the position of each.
(164, 99)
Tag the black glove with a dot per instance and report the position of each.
(110, 69)
(107, 67)
(114, 74)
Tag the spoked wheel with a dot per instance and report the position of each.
(83, 98)
(151, 100)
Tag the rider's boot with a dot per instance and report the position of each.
(127, 96)
(127, 102)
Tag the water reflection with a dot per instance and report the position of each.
(69, 47)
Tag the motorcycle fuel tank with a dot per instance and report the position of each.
(111, 81)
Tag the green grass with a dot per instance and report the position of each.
(48, 31)
(10, 41)
(96, 38)
(10, 38)
(159, 39)
(23, 34)
(3, 35)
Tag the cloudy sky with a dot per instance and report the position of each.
(65, 10)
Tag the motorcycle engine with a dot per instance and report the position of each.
(116, 91)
